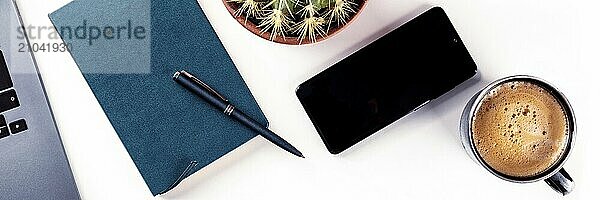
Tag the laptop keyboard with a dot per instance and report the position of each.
(8, 101)
(5, 80)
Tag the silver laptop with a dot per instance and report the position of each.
(33, 164)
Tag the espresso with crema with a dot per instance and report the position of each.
(520, 129)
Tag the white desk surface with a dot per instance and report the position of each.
(418, 157)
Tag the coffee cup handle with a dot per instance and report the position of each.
(561, 182)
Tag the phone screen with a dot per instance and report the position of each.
(386, 80)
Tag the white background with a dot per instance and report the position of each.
(418, 157)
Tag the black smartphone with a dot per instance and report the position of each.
(386, 80)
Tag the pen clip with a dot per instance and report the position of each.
(204, 85)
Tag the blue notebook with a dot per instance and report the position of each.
(128, 55)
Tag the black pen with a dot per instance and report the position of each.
(201, 89)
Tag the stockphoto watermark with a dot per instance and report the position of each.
(87, 32)
(89, 40)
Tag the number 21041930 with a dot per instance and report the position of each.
(45, 47)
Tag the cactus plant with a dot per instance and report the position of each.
(305, 20)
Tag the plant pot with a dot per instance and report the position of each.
(252, 27)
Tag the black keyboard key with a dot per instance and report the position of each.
(2, 121)
(18, 126)
(4, 132)
(8, 100)
(5, 81)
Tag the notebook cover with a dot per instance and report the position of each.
(162, 125)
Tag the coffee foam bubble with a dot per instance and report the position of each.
(520, 129)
